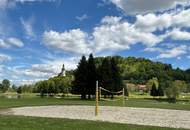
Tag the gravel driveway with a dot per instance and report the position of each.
(141, 116)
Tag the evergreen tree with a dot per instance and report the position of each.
(160, 91)
(154, 91)
(105, 75)
(91, 77)
(80, 81)
(19, 90)
(116, 76)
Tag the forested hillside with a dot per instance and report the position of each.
(140, 70)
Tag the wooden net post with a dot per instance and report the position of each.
(99, 93)
(96, 108)
(123, 96)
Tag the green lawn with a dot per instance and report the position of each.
(131, 102)
(33, 123)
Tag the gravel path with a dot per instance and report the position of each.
(141, 116)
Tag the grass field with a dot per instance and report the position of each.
(33, 100)
(31, 123)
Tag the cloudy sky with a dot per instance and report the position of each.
(38, 36)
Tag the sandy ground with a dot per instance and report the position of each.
(141, 116)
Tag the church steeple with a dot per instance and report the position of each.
(62, 71)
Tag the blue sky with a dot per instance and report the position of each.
(38, 36)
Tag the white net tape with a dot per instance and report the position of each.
(112, 93)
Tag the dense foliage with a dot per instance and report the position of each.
(107, 72)
(140, 70)
(5, 85)
(55, 85)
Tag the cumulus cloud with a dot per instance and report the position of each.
(153, 49)
(152, 22)
(10, 42)
(26, 81)
(112, 34)
(147, 6)
(22, 1)
(174, 52)
(4, 4)
(35, 72)
(162, 21)
(4, 58)
(74, 41)
(177, 34)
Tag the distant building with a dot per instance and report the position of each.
(62, 72)
(141, 87)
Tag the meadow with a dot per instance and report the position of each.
(135, 100)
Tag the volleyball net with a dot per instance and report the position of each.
(103, 93)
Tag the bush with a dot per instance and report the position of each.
(172, 92)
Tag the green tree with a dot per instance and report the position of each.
(105, 75)
(151, 82)
(51, 89)
(160, 91)
(117, 84)
(14, 88)
(5, 85)
(173, 91)
(42, 87)
(19, 90)
(80, 81)
(91, 76)
(154, 91)
(181, 85)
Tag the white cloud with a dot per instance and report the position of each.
(177, 34)
(116, 34)
(74, 41)
(153, 49)
(112, 34)
(4, 58)
(26, 81)
(28, 26)
(147, 6)
(22, 1)
(152, 22)
(83, 17)
(111, 20)
(48, 68)
(10, 42)
(4, 4)
(174, 52)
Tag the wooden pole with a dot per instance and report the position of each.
(99, 93)
(123, 97)
(96, 108)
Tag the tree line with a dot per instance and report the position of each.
(111, 71)
(107, 73)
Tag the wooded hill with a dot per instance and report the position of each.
(140, 70)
